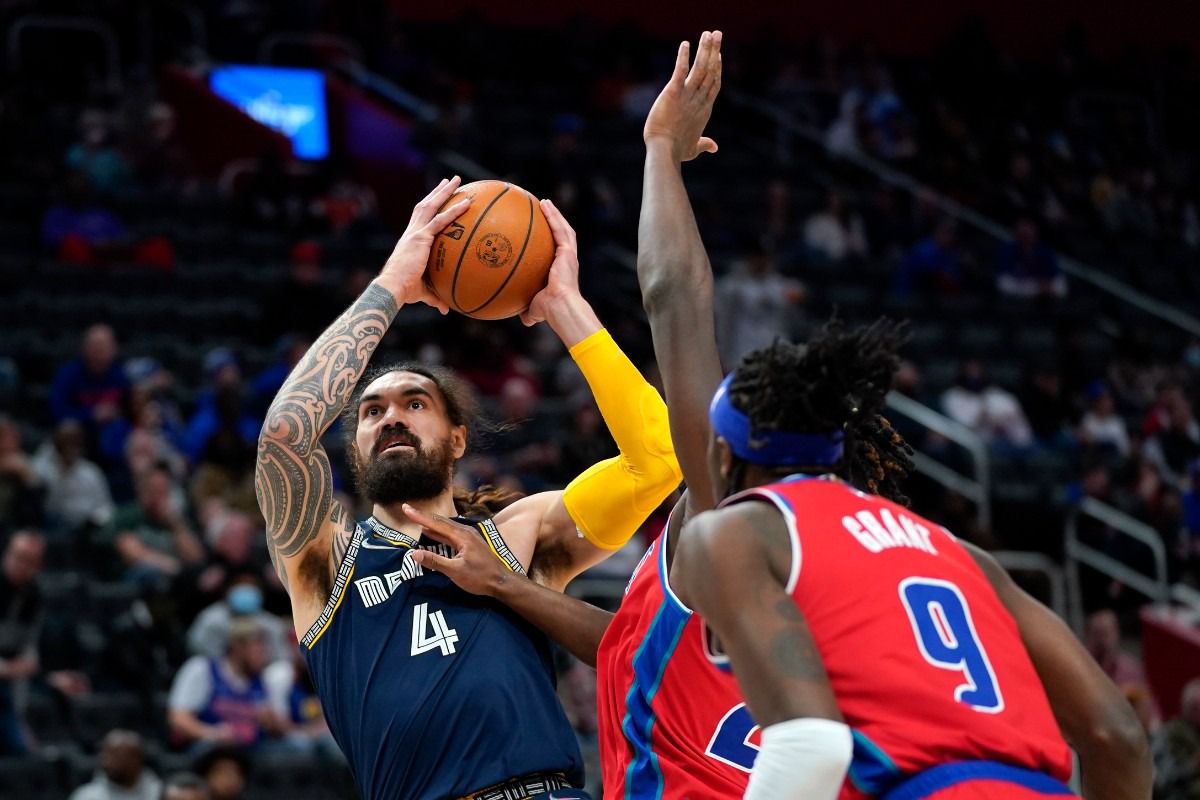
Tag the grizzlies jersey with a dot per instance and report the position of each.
(671, 726)
(927, 665)
(432, 692)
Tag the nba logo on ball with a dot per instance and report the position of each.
(494, 250)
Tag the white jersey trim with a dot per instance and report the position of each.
(664, 567)
(339, 588)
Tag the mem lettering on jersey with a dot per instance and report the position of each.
(375, 589)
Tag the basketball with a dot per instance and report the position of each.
(491, 261)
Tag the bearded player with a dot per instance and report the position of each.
(429, 691)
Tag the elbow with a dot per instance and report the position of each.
(1119, 738)
(675, 287)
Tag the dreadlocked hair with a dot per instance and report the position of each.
(838, 381)
(462, 408)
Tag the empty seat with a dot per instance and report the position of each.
(31, 779)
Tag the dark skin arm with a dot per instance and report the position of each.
(732, 568)
(574, 624)
(1094, 716)
(673, 269)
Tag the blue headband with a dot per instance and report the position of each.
(770, 447)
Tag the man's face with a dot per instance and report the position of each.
(405, 445)
(23, 559)
(99, 349)
(121, 759)
(251, 654)
(154, 493)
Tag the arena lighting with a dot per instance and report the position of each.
(289, 100)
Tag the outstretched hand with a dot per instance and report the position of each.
(684, 106)
(404, 273)
(474, 568)
(563, 281)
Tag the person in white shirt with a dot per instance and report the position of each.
(992, 412)
(76, 489)
(209, 634)
(1101, 425)
(836, 232)
(123, 774)
(754, 306)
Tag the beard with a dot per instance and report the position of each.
(418, 474)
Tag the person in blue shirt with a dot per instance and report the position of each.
(91, 388)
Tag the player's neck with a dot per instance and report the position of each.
(393, 515)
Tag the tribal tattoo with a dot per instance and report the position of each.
(293, 479)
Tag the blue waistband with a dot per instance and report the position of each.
(937, 778)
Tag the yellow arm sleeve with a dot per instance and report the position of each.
(611, 499)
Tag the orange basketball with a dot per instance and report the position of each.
(491, 261)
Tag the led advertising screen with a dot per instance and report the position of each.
(292, 101)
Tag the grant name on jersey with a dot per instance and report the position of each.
(883, 532)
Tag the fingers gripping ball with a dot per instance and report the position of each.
(491, 261)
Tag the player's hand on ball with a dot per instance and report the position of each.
(474, 568)
(563, 281)
(684, 106)
(404, 273)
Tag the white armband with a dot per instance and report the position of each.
(801, 759)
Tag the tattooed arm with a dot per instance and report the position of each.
(307, 532)
(731, 566)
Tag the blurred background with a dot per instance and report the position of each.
(191, 191)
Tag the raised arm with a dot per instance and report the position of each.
(1094, 716)
(307, 532)
(673, 269)
(732, 567)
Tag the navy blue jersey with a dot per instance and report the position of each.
(430, 691)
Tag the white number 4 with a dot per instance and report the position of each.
(442, 638)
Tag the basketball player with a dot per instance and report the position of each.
(881, 656)
(431, 692)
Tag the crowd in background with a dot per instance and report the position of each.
(136, 478)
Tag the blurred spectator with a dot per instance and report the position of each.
(230, 537)
(185, 786)
(289, 350)
(1025, 267)
(273, 197)
(346, 204)
(77, 493)
(123, 774)
(292, 694)
(91, 388)
(848, 132)
(1102, 638)
(80, 231)
(1023, 194)
(1176, 750)
(144, 643)
(586, 442)
(754, 306)
(1174, 446)
(220, 408)
(887, 228)
(987, 409)
(226, 770)
(934, 266)
(21, 615)
(217, 701)
(21, 488)
(143, 410)
(95, 156)
(1101, 425)
(209, 634)
(1049, 411)
(150, 538)
(303, 304)
(161, 160)
(835, 233)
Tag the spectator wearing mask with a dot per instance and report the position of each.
(992, 412)
(209, 634)
(1176, 750)
(185, 786)
(1026, 267)
(123, 774)
(21, 612)
(835, 233)
(77, 495)
(21, 489)
(91, 388)
(1101, 425)
(223, 701)
(150, 538)
(225, 771)
(933, 267)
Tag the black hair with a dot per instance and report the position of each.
(205, 762)
(839, 380)
(461, 409)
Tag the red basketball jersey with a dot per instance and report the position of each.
(671, 725)
(926, 663)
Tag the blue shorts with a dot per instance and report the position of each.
(978, 780)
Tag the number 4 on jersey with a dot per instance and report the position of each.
(442, 637)
(946, 636)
